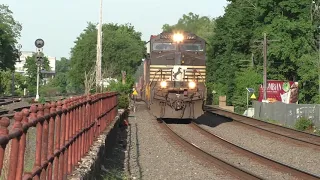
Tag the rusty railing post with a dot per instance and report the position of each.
(17, 126)
(44, 152)
(4, 124)
(66, 141)
(51, 136)
(57, 136)
(88, 122)
(22, 146)
(35, 113)
(65, 134)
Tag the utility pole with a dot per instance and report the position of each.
(99, 51)
(315, 15)
(265, 66)
(265, 62)
(319, 67)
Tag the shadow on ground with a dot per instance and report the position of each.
(212, 120)
(113, 166)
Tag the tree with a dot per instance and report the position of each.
(193, 23)
(9, 32)
(62, 66)
(291, 58)
(89, 80)
(60, 81)
(123, 49)
(31, 68)
(249, 78)
(6, 83)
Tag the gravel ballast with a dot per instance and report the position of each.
(303, 158)
(152, 155)
(226, 154)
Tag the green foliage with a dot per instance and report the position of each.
(124, 91)
(303, 124)
(6, 83)
(9, 33)
(60, 82)
(123, 50)
(249, 78)
(49, 91)
(42, 100)
(31, 68)
(123, 101)
(202, 26)
(292, 57)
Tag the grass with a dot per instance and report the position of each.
(302, 124)
(115, 174)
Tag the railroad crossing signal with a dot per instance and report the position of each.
(135, 93)
(39, 43)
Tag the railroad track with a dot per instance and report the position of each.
(238, 172)
(213, 160)
(307, 139)
(269, 162)
(6, 101)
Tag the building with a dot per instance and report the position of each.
(47, 75)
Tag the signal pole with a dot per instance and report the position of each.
(99, 51)
(39, 43)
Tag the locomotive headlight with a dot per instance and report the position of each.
(178, 37)
(163, 84)
(192, 85)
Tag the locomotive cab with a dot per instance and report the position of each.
(175, 75)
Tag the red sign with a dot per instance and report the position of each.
(283, 91)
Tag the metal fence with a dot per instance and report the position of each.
(64, 133)
(287, 114)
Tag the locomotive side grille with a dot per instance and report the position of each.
(160, 72)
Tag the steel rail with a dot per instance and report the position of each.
(293, 134)
(235, 171)
(271, 163)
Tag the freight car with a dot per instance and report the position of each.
(173, 82)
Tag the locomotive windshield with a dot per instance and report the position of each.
(191, 47)
(164, 47)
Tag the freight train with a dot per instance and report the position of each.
(173, 82)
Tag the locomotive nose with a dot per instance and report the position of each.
(177, 57)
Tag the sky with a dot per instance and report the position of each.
(60, 22)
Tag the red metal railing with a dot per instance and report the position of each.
(64, 133)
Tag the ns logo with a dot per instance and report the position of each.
(178, 73)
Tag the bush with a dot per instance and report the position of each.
(303, 124)
(49, 91)
(123, 101)
(42, 100)
(124, 90)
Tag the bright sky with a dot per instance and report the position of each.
(59, 22)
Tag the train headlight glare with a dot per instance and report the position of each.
(163, 84)
(178, 37)
(192, 85)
